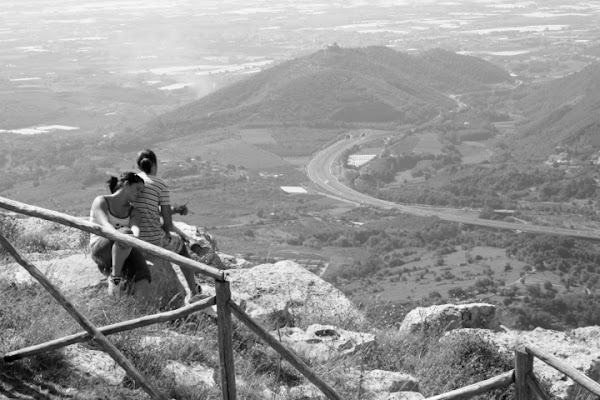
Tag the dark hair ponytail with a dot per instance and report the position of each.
(145, 160)
(115, 183)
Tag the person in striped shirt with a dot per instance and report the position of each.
(154, 203)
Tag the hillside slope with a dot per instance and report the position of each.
(563, 112)
(336, 87)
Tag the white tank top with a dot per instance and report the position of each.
(116, 222)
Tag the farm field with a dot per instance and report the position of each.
(474, 152)
(424, 277)
(428, 143)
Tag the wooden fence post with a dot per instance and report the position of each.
(523, 367)
(225, 340)
(82, 320)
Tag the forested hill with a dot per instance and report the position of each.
(336, 87)
(564, 112)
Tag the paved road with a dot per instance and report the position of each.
(319, 171)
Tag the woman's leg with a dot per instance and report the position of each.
(119, 255)
(188, 273)
(120, 252)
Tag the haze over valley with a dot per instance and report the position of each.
(415, 152)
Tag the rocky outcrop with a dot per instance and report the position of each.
(72, 272)
(285, 294)
(204, 248)
(451, 316)
(579, 348)
(323, 342)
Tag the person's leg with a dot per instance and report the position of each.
(137, 273)
(120, 252)
(189, 274)
(175, 243)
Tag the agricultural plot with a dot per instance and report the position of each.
(230, 151)
(474, 152)
(423, 276)
(429, 143)
(256, 136)
(405, 145)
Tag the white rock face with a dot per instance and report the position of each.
(380, 381)
(295, 296)
(451, 316)
(74, 272)
(402, 396)
(579, 348)
(94, 364)
(322, 342)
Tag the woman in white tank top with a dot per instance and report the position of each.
(122, 264)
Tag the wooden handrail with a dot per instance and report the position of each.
(566, 369)
(87, 226)
(523, 368)
(225, 326)
(497, 382)
(82, 320)
(109, 330)
(287, 355)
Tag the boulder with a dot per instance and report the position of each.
(322, 342)
(193, 376)
(451, 316)
(285, 294)
(70, 272)
(77, 272)
(579, 348)
(166, 288)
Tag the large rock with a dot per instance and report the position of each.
(77, 272)
(579, 348)
(285, 294)
(450, 316)
(166, 288)
(193, 376)
(322, 342)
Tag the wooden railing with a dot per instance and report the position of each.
(225, 308)
(527, 385)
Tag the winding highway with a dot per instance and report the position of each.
(319, 170)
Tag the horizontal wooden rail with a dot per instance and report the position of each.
(566, 369)
(109, 330)
(497, 382)
(288, 355)
(87, 226)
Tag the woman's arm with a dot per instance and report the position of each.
(100, 210)
(134, 221)
(168, 223)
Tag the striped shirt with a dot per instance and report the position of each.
(155, 194)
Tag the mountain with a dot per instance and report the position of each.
(564, 113)
(335, 87)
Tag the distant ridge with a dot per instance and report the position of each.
(336, 86)
(563, 112)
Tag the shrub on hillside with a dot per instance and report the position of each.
(460, 360)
